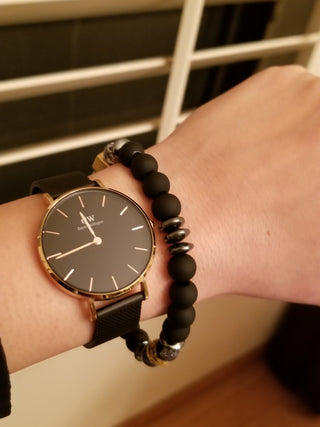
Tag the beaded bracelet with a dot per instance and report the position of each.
(181, 266)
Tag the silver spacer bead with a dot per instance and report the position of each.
(112, 148)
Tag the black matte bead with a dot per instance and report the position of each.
(135, 337)
(181, 317)
(142, 165)
(154, 184)
(128, 151)
(166, 206)
(183, 295)
(182, 267)
(171, 224)
(177, 235)
(173, 335)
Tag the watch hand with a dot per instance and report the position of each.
(95, 241)
(87, 224)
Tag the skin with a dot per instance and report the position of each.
(246, 169)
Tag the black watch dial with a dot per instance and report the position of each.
(96, 242)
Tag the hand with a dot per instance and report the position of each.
(255, 167)
(250, 195)
(95, 241)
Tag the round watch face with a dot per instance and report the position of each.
(96, 242)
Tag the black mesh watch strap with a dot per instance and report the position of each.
(59, 184)
(117, 319)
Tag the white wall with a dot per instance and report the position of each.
(104, 386)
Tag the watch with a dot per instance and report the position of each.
(98, 244)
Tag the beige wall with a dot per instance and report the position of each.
(103, 386)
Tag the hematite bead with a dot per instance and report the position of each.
(150, 355)
(171, 224)
(154, 184)
(166, 206)
(173, 335)
(142, 165)
(128, 151)
(181, 267)
(135, 337)
(181, 317)
(180, 248)
(177, 235)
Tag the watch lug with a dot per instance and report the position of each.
(144, 289)
(48, 197)
(93, 310)
(100, 183)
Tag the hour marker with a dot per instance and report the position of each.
(114, 282)
(54, 255)
(103, 200)
(137, 228)
(69, 274)
(141, 249)
(51, 232)
(81, 201)
(123, 210)
(91, 283)
(133, 269)
(62, 213)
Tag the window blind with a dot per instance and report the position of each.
(245, 36)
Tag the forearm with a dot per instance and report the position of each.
(247, 177)
(39, 319)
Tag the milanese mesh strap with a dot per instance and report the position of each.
(117, 319)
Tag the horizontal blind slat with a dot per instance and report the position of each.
(253, 50)
(59, 145)
(45, 84)
(14, 12)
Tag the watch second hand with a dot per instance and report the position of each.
(95, 241)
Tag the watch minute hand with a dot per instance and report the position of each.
(95, 241)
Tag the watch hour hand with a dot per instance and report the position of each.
(87, 224)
